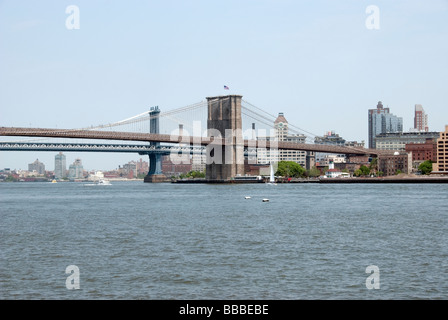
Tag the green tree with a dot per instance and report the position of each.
(314, 172)
(193, 174)
(357, 173)
(425, 167)
(365, 170)
(290, 169)
(373, 165)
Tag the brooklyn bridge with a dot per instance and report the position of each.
(235, 131)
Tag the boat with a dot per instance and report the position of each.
(98, 179)
(54, 181)
(272, 177)
(100, 182)
(247, 197)
(265, 200)
(247, 179)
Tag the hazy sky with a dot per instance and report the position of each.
(314, 60)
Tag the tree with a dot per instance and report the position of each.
(365, 170)
(357, 173)
(373, 165)
(193, 174)
(314, 172)
(425, 167)
(290, 169)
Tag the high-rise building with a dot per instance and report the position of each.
(37, 166)
(76, 170)
(60, 168)
(420, 119)
(382, 121)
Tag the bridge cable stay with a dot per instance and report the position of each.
(298, 130)
(145, 116)
(292, 127)
(142, 118)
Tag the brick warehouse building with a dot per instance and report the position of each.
(390, 164)
(423, 151)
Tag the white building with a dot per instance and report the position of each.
(335, 173)
(266, 155)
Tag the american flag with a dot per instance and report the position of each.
(226, 88)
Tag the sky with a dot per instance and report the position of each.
(317, 61)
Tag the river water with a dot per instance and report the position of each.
(132, 240)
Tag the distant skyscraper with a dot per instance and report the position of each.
(37, 166)
(76, 171)
(60, 168)
(420, 119)
(382, 121)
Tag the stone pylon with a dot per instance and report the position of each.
(224, 121)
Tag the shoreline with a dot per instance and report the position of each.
(328, 180)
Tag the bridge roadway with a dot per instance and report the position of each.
(106, 147)
(186, 140)
(97, 147)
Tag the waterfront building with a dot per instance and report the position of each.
(441, 166)
(382, 121)
(422, 152)
(281, 133)
(37, 166)
(76, 170)
(331, 159)
(169, 168)
(198, 162)
(420, 119)
(329, 138)
(142, 167)
(60, 168)
(128, 170)
(333, 172)
(398, 140)
(390, 165)
(281, 129)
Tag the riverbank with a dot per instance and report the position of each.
(393, 179)
(385, 180)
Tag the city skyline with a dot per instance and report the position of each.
(317, 63)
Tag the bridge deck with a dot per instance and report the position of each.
(187, 140)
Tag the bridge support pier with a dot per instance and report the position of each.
(224, 162)
(155, 160)
(155, 169)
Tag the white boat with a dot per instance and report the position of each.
(272, 178)
(265, 200)
(100, 182)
